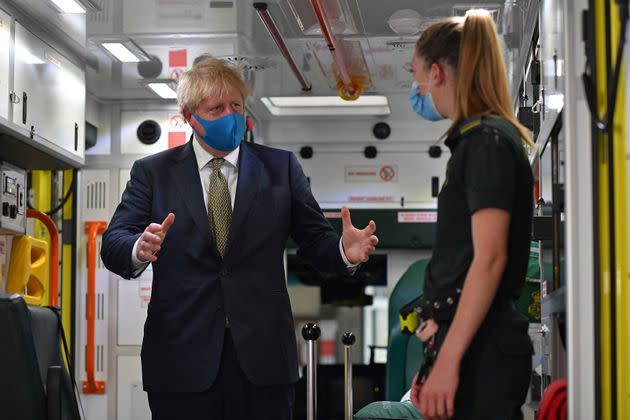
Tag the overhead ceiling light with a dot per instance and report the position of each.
(76, 6)
(326, 105)
(326, 101)
(164, 88)
(68, 6)
(126, 51)
(121, 52)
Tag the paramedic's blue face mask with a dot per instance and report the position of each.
(224, 133)
(423, 104)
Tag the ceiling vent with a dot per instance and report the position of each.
(405, 22)
(249, 63)
(402, 44)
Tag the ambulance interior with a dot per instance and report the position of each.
(89, 88)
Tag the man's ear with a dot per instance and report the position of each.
(187, 115)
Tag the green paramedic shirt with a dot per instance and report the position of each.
(488, 168)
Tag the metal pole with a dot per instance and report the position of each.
(348, 340)
(310, 333)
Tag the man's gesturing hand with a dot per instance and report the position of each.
(151, 239)
(358, 244)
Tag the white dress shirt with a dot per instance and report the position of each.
(229, 169)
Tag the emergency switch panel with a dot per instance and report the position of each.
(12, 200)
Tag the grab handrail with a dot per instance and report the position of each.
(93, 229)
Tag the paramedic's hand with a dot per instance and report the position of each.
(435, 398)
(151, 239)
(357, 244)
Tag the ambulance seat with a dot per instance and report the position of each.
(34, 383)
(404, 352)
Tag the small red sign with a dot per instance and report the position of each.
(177, 121)
(176, 73)
(177, 58)
(371, 199)
(176, 138)
(387, 173)
(417, 216)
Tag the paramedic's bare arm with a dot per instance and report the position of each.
(490, 236)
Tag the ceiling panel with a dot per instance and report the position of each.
(383, 55)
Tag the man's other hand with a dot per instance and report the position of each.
(151, 239)
(358, 244)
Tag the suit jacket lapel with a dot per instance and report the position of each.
(250, 171)
(184, 170)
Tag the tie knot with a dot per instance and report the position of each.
(216, 163)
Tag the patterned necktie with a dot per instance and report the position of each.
(219, 206)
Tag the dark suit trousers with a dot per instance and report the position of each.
(231, 397)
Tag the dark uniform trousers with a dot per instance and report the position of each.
(496, 370)
(231, 397)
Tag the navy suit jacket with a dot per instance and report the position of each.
(194, 288)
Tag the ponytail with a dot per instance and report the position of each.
(481, 84)
(482, 87)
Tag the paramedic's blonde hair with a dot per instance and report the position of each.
(481, 86)
(208, 77)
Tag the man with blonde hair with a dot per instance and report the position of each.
(219, 341)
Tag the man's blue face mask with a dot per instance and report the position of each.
(423, 104)
(225, 133)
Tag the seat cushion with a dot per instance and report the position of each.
(388, 410)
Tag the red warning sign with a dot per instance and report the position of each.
(178, 58)
(417, 216)
(368, 173)
(175, 74)
(371, 199)
(176, 138)
(176, 122)
(388, 173)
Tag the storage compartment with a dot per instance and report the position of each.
(50, 93)
(184, 16)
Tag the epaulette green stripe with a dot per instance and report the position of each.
(469, 126)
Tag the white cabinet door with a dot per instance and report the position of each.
(51, 91)
(5, 39)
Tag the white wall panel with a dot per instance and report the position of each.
(169, 121)
(133, 299)
(333, 183)
(129, 123)
(132, 400)
(5, 49)
(93, 205)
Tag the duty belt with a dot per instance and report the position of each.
(441, 308)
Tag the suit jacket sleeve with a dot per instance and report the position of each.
(317, 240)
(131, 217)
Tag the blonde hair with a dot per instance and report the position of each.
(208, 77)
(471, 47)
